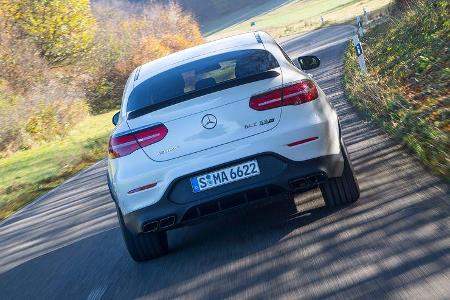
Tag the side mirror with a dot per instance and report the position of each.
(308, 62)
(115, 118)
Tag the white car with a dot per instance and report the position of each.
(216, 127)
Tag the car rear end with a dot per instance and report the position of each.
(246, 111)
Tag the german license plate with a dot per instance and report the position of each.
(225, 176)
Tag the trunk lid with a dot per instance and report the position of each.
(210, 120)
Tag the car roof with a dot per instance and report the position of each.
(246, 40)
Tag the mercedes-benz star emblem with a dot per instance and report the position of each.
(209, 121)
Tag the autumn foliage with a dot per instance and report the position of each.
(63, 59)
(130, 35)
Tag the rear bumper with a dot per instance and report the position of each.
(180, 205)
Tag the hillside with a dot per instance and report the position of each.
(220, 18)
(215, 15)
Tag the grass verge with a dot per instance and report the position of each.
(305, 15)
(28, 174)
(407, 89)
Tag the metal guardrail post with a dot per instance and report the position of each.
(360, 26)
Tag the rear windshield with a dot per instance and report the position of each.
(201, 77)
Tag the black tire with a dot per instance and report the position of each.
(144, 246)
(341, 190)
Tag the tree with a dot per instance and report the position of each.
(62, 30)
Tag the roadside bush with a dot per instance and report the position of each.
(400, 6)
(44, 113)
(10, 127)
(47, 120)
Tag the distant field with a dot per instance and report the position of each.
(239, 14)
(304, 15)
(27, 174)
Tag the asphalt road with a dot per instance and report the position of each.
(393, 243)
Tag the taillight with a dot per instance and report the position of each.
(294, 94)
(124, 144)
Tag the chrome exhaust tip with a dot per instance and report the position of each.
(167, 222)
(150, 226)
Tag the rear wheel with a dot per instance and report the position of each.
(143, 246)
(341, 190)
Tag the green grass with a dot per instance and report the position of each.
(304, 15)
(27, 174)
(407, 89)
